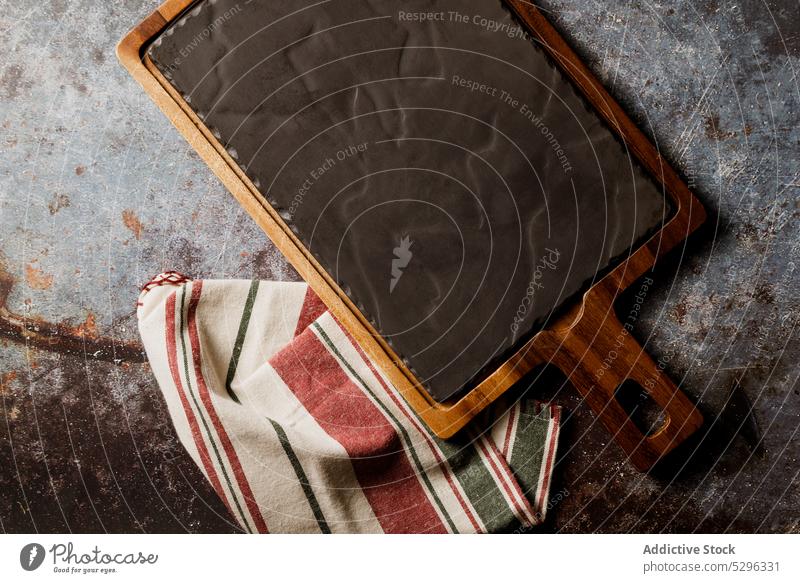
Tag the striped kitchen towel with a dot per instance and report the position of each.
(298, 431)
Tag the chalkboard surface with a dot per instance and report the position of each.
(428, 155)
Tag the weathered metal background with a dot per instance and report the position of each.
(99, 193)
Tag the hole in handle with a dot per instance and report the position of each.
(642, 410)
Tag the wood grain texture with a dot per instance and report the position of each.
(577, 342)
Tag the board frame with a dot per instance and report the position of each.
(578, 341)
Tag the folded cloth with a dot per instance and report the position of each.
(297, 430)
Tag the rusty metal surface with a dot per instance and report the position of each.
(99, 193)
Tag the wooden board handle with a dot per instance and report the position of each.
(598, 354)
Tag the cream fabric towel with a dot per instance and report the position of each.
(298, 431)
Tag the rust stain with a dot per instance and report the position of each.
(6, 380)
(37, 278)
(133, 223)
(64, 338)
(59, 202)
(80, 170)
(714, 131)
(679, 313)
(88, 328)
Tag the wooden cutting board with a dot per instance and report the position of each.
(576, 330)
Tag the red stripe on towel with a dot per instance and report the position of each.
(551, 448)
(172, 357)
(422, 431)
(505, 477)
(346, 414)
(509, 430)
(205, 397)
(312, 309)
